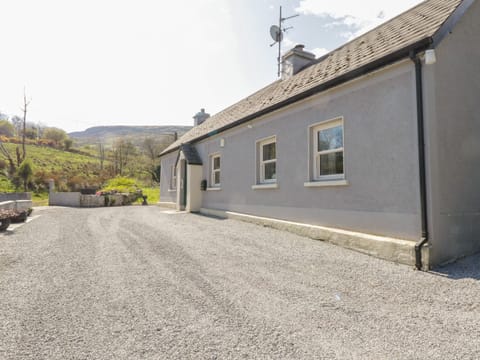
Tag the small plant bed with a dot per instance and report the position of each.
(12, 216)
(124, 198)
(127, 188)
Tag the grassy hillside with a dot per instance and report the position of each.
(71, 172)
(64, 167)
(134, 134)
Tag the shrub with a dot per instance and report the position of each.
(4, 139)
(25, 172)
(122, 185)
(6, 128)
(76, 182)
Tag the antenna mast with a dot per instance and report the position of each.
(277, 35)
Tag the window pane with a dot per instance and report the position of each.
(216, 162)
(331, 164)
(216, 177)
(330, 139)
(269, 152)
(270, 171)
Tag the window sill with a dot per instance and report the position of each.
(214, 188)
(326, 183)
(172, 190)
(265, 186)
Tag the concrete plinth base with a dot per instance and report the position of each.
(392, 249)
(169, 205)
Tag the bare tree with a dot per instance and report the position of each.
(40, 129)
(24, 109)
(17, 124)
(122, 152)
(101, 154)
(11, 164)
(152, 148)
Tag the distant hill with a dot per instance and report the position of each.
(109, 133)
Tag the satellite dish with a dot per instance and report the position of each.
(276, 33)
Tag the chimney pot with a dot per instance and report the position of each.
(296, 60)
(200, 117)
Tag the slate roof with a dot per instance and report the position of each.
(412, 30)
(191, 154)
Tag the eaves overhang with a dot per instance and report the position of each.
(389, 59)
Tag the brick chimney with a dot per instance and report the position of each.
(295, 60)
(200, 117)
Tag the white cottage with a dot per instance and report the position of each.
(373, 146)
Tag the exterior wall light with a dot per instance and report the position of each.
(430, 57)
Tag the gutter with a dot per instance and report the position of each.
(421, 161)
(363, 70)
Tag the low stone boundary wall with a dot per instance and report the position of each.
(71, 199)
(92, 201)
(23, 205)
(15, 196)
(19, 205)
(7, 205)
(76, 199)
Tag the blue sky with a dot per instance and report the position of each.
(152, 62)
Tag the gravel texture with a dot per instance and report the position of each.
(140, 283)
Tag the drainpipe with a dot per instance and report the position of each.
(421, 161)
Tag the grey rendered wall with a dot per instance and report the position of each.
(381, 163)
(166, 162)
(15, 196)
(19, 205)
(64, 199)
(452, 91)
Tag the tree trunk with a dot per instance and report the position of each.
(25, 105)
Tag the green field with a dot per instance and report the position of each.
(53, 159)
(67, 169)
(72, 171)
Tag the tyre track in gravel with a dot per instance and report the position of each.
(209, 299)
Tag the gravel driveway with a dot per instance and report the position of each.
(140, 283)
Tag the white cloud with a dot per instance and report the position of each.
(360, 16)
(287, 44)
(319, 51)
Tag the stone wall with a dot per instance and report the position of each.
(19, 205)
(15, 196)
(71, 199)
(76, 199)
(92, 201)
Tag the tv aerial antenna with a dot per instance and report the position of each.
(276, 32)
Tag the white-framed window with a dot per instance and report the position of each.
(173, 178)
(328, 150)
(215, 170)
(267, 160)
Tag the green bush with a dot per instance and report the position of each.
(152, 193)
(6, 185)
(25, 171)
(122, 185)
